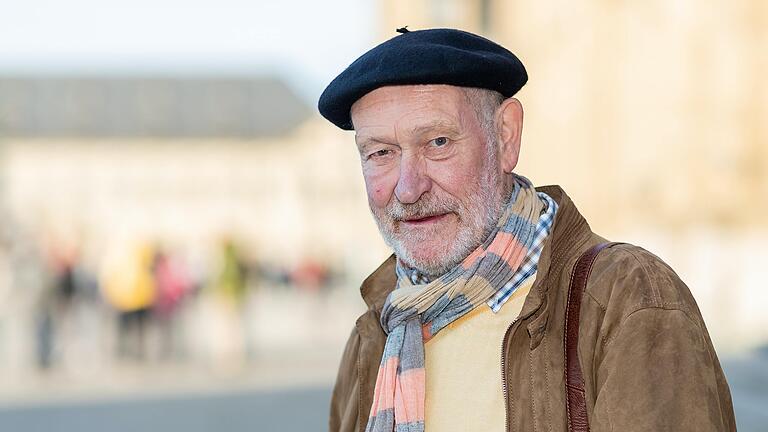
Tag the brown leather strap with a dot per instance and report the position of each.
(576, 404)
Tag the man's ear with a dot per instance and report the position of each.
(509, 118)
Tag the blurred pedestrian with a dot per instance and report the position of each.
(128, 285)
(172, 283)
(55, 307)
(230, 343)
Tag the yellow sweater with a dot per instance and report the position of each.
(463, 369)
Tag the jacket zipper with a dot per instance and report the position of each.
(504, 373)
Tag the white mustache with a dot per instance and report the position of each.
(422, 208)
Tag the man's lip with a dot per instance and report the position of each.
(424, 220)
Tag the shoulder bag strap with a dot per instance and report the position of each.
(576, 404)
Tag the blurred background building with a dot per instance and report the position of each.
(178, 219)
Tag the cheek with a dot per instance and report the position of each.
(456, 177)
(380, 188)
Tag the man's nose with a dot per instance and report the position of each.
(413, 181)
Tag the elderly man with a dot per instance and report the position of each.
(498, 311)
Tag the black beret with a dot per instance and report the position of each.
(435, 56)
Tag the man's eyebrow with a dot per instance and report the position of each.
(363, 140)
(433, 125)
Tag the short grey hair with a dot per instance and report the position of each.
(485, 102)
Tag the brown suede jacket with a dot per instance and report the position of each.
(646, 356)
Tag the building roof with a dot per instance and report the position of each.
(148, 107)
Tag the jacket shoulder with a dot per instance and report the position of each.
(626, 278)
(646, 338)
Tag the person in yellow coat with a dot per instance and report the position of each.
(128, 286)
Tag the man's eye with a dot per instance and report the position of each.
(440, 141)
(379, 153)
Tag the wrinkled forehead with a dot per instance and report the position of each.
(409, 108)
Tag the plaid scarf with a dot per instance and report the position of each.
(414, 312)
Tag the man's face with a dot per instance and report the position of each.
(433, 180)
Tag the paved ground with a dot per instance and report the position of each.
(283, 410)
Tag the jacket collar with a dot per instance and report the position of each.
(569, 232)
(379, 284)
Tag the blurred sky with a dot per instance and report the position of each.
(186, 37)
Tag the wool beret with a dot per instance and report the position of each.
(434, 56)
